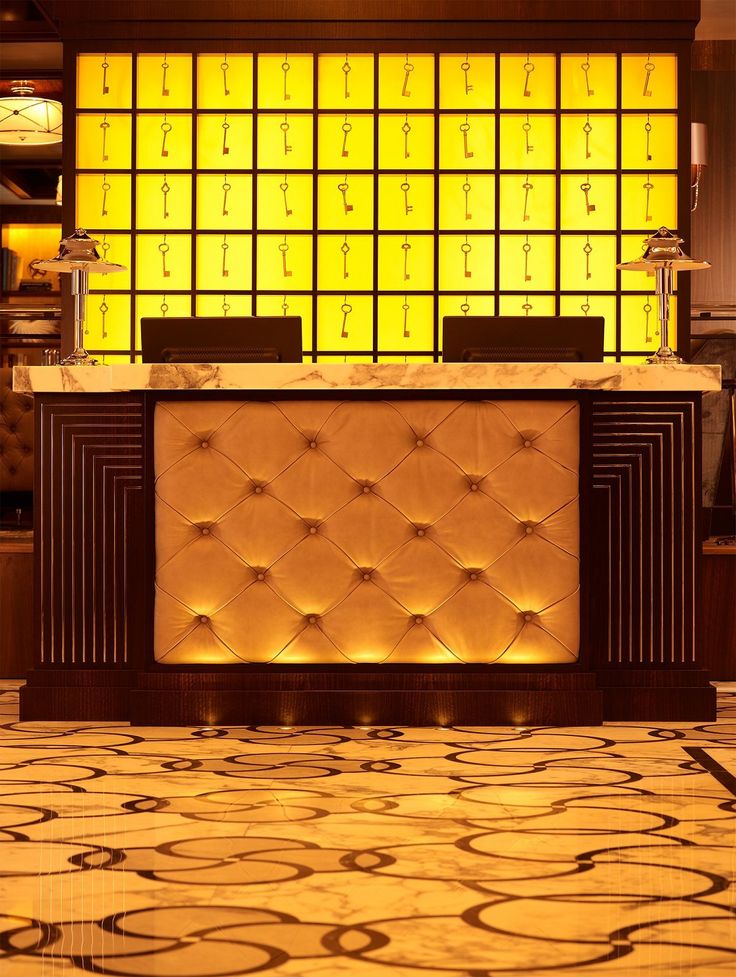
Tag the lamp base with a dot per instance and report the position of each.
(665, 354)
(79, 357)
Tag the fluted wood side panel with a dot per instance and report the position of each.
(645, 471)
(89, 528)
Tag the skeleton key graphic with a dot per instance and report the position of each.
(528, 68)
(164, 248)
(345, 248)
(588, 250)
(647, 310)
(283, 187)
(587, 129)
(648, 130)
(285, 129)
(165, 67)
(466, 249)
(346, 130)
(406, 129)
(105, 189)
(406, 248)
(527, 128)
(165, 190)
(527, 188)
(346, 71)
(225, 305)
(164, 307)
(585, 307)
(586, 68)
(649, 68)
(105, 86)
(343, 188)
(648, 186)
(226, 188)
(225, 246)
(408, 68)
(105, 247)
(104, 125)
(224, 67)
(526, 248)
(346, 309)
(104, 309)
(466, 188)
(166, 128)
(405, 306)
(527, 306)
(405, 188)
(283, 248)
(225, 126)
(465, 67)
(285, 306)
(589, 207)
(285, 68)
(465, 129)
(465, 307)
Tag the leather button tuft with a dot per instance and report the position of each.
(258, 489)
(528, 617)
(527, 444)
(312, 530)
(366, 576)
(528, 530)
(473, 487)
(418, 620)
(366, 488)
(205, 531)
(204, 619)
(312, 444)
(261, 576)
(473, 576)
(420, 532)
(205, 444)
(420, 443)
(312, 620)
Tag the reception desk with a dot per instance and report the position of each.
(368, 543)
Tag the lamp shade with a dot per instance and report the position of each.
(78, 252)
(28, 120)
(663, 251)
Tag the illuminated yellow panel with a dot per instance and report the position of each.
(594, 210)
(285, 81)
(527, 84)
(113, 247)
(528, 305)
(532, 208)
(588, 81)
(223, 305)
(632, 248)
(164, 142)
(467, 201)
(467, 142)
(405, 140)
(284, 262)
(654, 148)
(345, 81)
(528, 142)
(225, 201)
(345, 358)
(406, 358)
(103, 200)
(466, 261)
(405, 261)
(406, 81)
(645, 89)
(345, 322)
(592, 269)
(455, 305)
(467, 81)
(164, 200)
(287, 304)
(101, 87)
(344, 262)
(648, 201)
(225, 81)
(163, 261)
(604, 305)
(527, 264)
(159, 307)
(31, 241)
(224, 261)
(345, 140)
(588, 142)
(640, 324)
(107, 323)
(224, 140)
(284, 201)
(164, 81)
(405, 322)
(345, 202)
(103, 142)
(285, 141)
(406, 202)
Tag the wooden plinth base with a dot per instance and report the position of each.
(657, 695)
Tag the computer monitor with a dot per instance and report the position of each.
(237, 339)
(522, 339)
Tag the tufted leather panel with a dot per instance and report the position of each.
(367, 532)
(16, 437)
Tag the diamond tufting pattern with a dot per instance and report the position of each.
(367, 531)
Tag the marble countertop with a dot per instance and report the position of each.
(365, 376)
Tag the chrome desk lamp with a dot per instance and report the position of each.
(663, 255)
(78, 255)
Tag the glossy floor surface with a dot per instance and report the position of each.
(369, 852)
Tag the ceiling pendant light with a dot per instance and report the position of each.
(27, 120)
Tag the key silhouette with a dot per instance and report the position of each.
(285, 68)
(164, 89)
(224, 246)
(226, 188)
(406, 129)
(346, 71)
(104, 125)
(466, 190)
(528, 68)
(105, 188)
(526, 248)
(406, 248)
(526, 187)
(586, 68)
(345, 248)
(164, 249)
(224, 67)
(343, 188)
(527, 127)
(346, 130)
(465, 66)
(406, 307)
(648, 187)
(466, 249)
(285, 129)
(283, 248)
(465, 129)
(649, 68)
(105, 86)
(346, 309)
(166, 128)
(589, 207)
(406, 187)
(283, 187)
(408, 68)
(225, 126)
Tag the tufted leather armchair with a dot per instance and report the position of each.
(16, 437)
(311, 531)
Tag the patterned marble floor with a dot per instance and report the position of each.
(367, 852)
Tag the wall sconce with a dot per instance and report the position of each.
(663, 255)
(28, 120)
(78, 255)
(698, 159)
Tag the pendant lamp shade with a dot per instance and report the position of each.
(27, 120)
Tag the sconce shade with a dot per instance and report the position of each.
(698, 144)
(663, 251)
(78, 252)
(28, 120)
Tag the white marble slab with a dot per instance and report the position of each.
(365, 376)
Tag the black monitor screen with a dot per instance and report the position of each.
(522, 339)
(240, 339)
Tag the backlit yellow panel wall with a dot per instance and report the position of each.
(374, 194)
